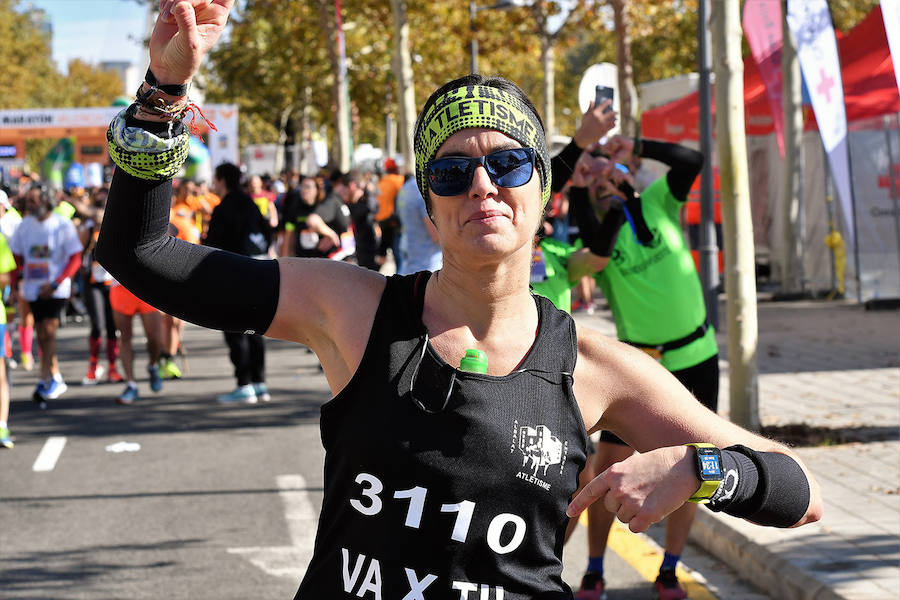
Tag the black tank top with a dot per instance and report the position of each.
(447, 501)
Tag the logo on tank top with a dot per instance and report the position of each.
(540, 451)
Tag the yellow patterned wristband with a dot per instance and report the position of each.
(143, 154)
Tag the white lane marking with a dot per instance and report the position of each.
(288, 561)
(123, 446)
(49, 454)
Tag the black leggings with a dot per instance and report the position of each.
(96, 299)
(702, 380)
(248, 355)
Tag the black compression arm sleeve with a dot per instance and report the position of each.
(685, 164)
(767, 488)
(209, 287)
(563, 165)
(598, 236)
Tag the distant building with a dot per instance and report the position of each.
(41, 20)
(127, 72)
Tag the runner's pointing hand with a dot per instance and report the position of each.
(184, 33)
(644, 488)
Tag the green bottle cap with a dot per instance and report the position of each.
(475, 361)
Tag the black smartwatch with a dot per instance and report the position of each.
(709, 472)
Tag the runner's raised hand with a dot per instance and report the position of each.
(185, 31)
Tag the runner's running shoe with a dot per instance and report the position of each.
(27, 361)
(39, 395)
(55, 389)
(169, 370)
(114, 376)
(94, 373)
(243, 394)
(155, 379)
(667, 586)
(5, 440)
(592, 587)
(128, 396)
(262, 393)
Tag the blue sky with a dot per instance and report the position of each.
(95, 30)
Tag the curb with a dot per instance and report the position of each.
(769, 571)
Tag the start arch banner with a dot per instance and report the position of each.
(89, 124)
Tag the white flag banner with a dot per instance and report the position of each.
(890, 14)
(810, 22)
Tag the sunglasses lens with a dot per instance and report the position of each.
(449, 176)
(510, 168)
(452, 175)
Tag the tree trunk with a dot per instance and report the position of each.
(281, 148)
(306, 134)
(339, 151)
(406, 93)
(627, 94)
(547, 60)
(792, 234)
(740, 282)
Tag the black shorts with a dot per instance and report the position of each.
(47, 309)
(702, 380)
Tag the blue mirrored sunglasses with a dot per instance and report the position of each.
(452, 175)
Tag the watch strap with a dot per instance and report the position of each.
(170, 89)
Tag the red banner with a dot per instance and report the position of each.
(762, 27)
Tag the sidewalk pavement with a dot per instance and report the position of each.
(829, 384)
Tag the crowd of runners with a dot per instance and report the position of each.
(49, 275)
(376, 219)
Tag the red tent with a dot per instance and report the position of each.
(870, 89)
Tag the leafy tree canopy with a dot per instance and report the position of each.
(275, 61)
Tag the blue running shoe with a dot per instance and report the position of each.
(39, 396)
(155, 379)
(262, 393)
(243, 394)
(128, 396)
(55, 389)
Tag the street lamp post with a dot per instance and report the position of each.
(473, 42)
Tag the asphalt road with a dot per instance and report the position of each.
(177, 496)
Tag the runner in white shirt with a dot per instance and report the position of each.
(47, 249)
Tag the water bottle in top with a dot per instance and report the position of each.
(475, 361)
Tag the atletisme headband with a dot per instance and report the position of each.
(480, 106)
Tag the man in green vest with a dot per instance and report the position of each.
(657, 303)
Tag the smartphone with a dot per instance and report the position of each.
(603, 94)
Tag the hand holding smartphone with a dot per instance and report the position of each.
(604, 93)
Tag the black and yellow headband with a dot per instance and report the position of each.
(480, 106)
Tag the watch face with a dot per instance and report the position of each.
(710, 463)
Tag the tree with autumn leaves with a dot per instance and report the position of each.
(279, 60)
(30, 79)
